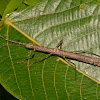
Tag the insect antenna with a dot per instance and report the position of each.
(23, 44)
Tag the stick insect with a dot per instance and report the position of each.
(75, 56)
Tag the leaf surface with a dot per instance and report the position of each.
(47, 23)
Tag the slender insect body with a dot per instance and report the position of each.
(90, 60)
(75, 56)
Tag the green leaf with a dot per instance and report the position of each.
(3, 4)
(47, 23)
(13, 4)
(31, 2)
(98, 0)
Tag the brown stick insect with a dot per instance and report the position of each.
(55, 51)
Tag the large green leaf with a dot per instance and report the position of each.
(48, 22)
(13, 4)
(3, 4)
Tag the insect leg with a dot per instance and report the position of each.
(88, 52)
(74, 68)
